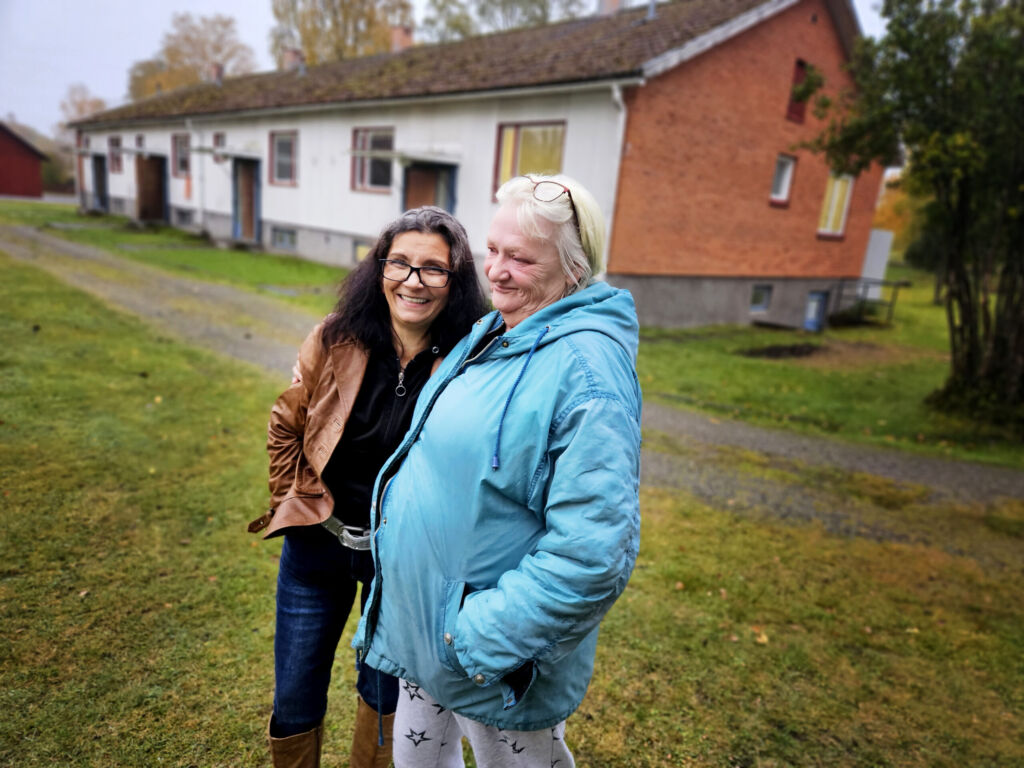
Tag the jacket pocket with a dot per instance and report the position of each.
(445, 633)
(307, 482)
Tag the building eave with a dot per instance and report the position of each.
(619, 79)
(720, 34)
(843, 16)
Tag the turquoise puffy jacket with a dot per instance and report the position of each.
(510, 522)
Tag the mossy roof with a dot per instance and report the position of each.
(571, 52)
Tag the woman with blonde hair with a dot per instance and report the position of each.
(507, 522)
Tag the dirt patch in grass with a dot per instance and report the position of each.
(782, 351)
(839, 354)
(851, 355)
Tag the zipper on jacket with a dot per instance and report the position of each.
(479, 354)
(389, 470)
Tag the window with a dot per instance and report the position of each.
(183, 217)
(361, 251)
(760, 298)
(284, 157)
(832, 223)
(282, 238)
(140, 141)
(114, 149)
(528, 148)
(220, 141)
(782, 181)
(85, 142)
(796, 110)
(371, 161)
(180, 154)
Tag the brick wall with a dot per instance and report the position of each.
(701, 145)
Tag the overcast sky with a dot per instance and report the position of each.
(46, 45)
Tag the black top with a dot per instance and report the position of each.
(379, 419)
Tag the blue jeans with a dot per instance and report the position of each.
(316, 587)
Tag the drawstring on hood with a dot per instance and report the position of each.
(495, 463)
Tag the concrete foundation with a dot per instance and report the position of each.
(666, 301)
(218, 226)
(335, 249)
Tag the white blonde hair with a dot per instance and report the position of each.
(581, 252)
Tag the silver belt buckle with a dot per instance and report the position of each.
(349, 535)
(360, 543)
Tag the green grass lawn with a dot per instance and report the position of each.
(864, 384)
(136, 613)
(296, 281)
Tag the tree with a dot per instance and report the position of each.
(188, 53)
(330, 30)
(78, 103)
(946, 83)
(458, 19)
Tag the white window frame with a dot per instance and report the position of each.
(788, 165)
(284, 238)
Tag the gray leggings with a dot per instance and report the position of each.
(429, 736)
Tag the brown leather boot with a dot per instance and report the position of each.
(299, 751)
(366, 753)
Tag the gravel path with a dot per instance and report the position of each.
(267, 333)
(237, 323)
(959, 480)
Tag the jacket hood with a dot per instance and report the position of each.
(598, 307)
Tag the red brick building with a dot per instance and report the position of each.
(719, 216)
(21, 165)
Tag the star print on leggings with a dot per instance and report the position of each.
(417, 737)
(412, 690)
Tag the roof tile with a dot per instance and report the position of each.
(578, 50)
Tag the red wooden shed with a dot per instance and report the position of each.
(21, 165)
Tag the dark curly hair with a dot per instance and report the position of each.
(362, 310)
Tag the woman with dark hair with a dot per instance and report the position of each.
(350, 402)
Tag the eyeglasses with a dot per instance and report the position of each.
(431, 277)
(547, 191)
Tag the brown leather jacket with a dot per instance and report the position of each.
(306, 423)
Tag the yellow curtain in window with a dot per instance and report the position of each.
(833, 208)
(540, 149)
(507, 158)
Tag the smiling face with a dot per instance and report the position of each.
(525, 273)
(413, 305)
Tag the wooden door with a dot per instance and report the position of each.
(151, 182)
(430, 184)
(420, 186)
(245, 202)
